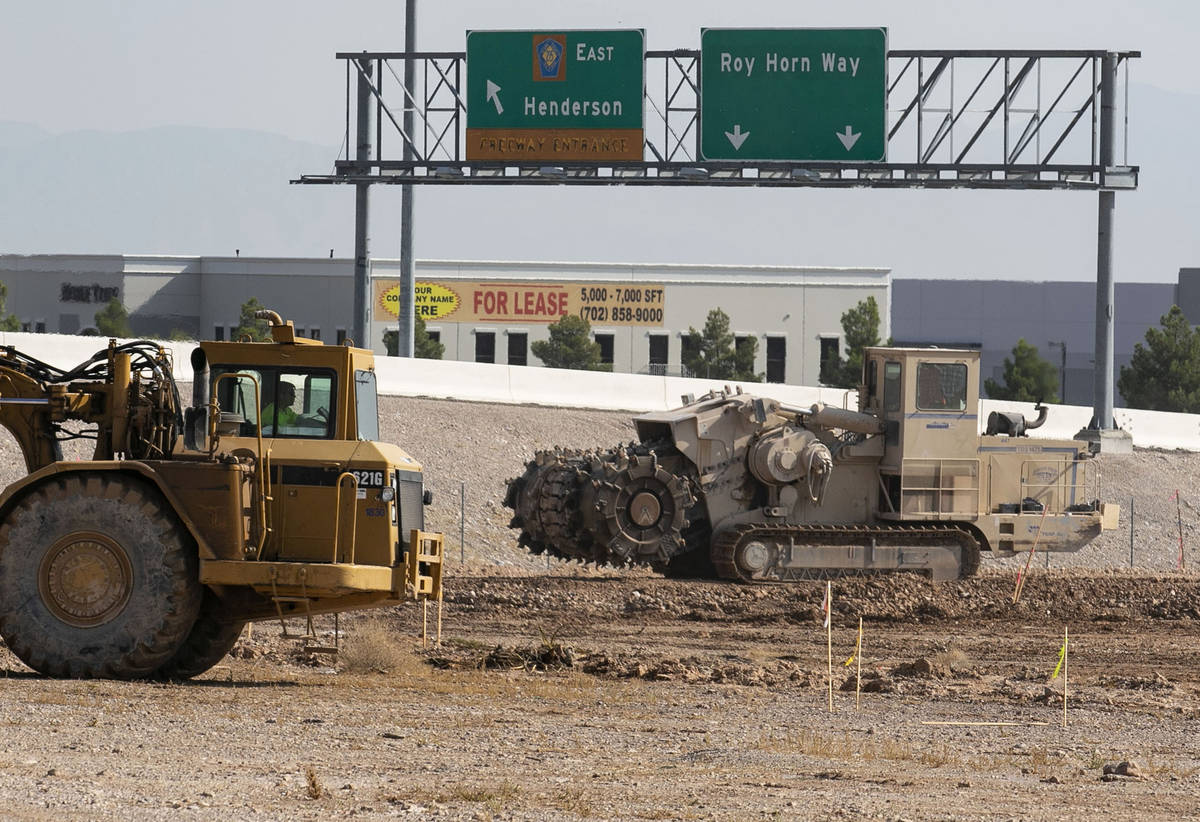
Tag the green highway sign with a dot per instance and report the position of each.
(565, 95)
(793, 94)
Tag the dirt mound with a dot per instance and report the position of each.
(1057, 595)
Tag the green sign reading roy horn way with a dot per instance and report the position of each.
(793, 94)
(555, 95)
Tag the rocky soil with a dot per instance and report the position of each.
(567, 692)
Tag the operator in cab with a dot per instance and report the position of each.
(280, 413)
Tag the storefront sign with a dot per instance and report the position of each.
(94, 293)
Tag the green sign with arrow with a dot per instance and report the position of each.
(793, 94)
(565, 95)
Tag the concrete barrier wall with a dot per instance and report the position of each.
(67, 350)
(481, 382)
(571, 389)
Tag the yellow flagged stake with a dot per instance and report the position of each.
(857, 657)
(1062, 656)
(827, 607)
(1062, 667)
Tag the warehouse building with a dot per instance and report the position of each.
(481, 311)
(640, 313)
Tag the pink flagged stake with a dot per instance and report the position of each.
(1179, 519)
(825, 604)
(1022, 573)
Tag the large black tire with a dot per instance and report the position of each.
(97, 578)
(210, 639)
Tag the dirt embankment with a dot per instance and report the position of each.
(568, 692)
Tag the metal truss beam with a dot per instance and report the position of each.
(956, 119)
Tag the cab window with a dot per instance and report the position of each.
(367, 405)
(941, 386)
(891, 386)
(294, 402)
(236, 395)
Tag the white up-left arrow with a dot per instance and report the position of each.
(737, 136)
(493, 96)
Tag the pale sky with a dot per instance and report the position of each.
(269, 65)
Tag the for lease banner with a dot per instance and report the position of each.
(525, 302)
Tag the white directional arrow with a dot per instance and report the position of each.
(493, 96)
(737, 136)
(849, 139)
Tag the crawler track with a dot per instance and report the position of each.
(759, 552)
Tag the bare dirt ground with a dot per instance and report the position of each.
(567, 692)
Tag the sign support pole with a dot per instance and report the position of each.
(405, 344)
(1103, 393)
(362, 207)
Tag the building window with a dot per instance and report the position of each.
(689, 348)
(830, 360)
(485, 346)
(743, 342)
(658, 354)
(605, 341)
(25, 326)
(219, 333)
(39, 327)
(434, 336)
(776, 359)
(518, 345)
(314, 333)
(341, 336)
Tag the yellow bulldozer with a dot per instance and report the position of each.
(269, 497)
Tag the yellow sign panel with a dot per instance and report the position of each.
(432, 301)
(528, 302)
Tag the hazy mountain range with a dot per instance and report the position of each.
(192, 190)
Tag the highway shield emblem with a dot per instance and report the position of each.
(548, 51)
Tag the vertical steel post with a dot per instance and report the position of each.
(1103, 387)
(405, 343)
(362, 207)
(1063, 374)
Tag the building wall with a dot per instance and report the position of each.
(314, 294)
(992, 315)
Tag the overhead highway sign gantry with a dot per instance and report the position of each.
(979, 119)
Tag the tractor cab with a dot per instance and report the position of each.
(929, 401)
(307, 415)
